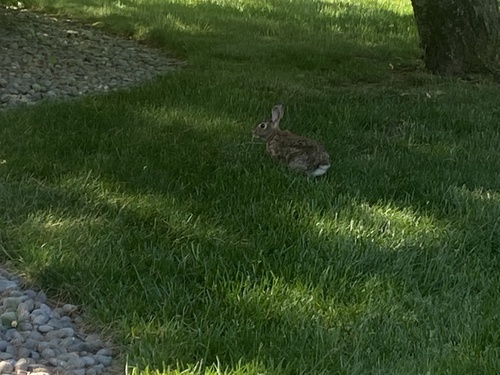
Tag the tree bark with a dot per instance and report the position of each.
(459, 36)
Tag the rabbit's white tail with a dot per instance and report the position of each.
(320, 170)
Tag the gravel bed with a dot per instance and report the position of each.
(36, 338)
(42, 57)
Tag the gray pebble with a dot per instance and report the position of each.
(42, 345)
(13, 301)
(31, 294)
(55, 315)
(75, 363)
(57, 362)
(17, 340)
(31, 344)
(48, 353)
(45, 309)
(6, 284)
(40, 318)
(88, 361)
(41, 297)
(99, 368)
(68, 308)
(66, 321)
(68, 356)
(9, 319)
(55, 322)
(24, 309)
(5, 355)
(35, 355)
(77, 346)
(105, 360)
(9, 334)
(68, 341)
(105, 351)
(35, 335)
(24, 352)
(59, 311)
(59, 333)
(24, 326)
(44, 328)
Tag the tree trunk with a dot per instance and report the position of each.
(458, 36)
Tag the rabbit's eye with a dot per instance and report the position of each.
(263, 126)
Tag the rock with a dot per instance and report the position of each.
(105, 352)
(59, 333)
(35, 355)
(9, 319)
(41, 297)
(23, 352)
(68, 308)
(24, 309)
(42, 345)
(31, 294)
(55, 322)
(39, 319)
(75, 363)
(24, 326)
(6, 367)
(13, 302)
(68, 341)
(10, 349)
(56, 362)
(45, 309)
(105, 360)
(35, 335)
(44, 328)
(9, 334)
(4, 356)
(5, 284)
(88, 361)
(48, 353)
(66, 321)
(17, 339)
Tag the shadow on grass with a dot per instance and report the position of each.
(204, 240)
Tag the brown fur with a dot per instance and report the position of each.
(300, 154)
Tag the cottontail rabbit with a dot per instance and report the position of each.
(300, 154)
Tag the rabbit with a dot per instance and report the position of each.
(300, 154)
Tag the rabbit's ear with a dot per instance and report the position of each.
(277, 113)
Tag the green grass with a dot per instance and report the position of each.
(153, 210)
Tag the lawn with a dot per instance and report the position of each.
(153, 209)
